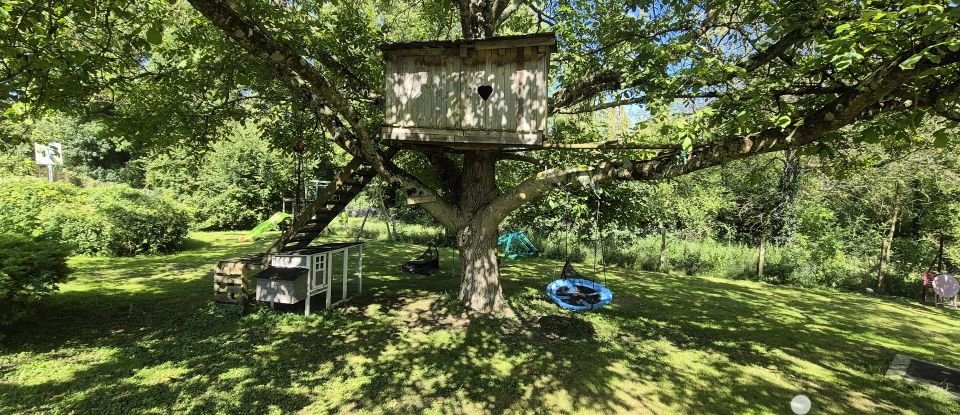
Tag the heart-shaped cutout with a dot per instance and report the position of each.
(484, 91)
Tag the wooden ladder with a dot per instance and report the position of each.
(314, 217)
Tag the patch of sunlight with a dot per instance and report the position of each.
(693, 360)
(807, 368)
(559, 401)
(434, 383)
(466, 405)
(605, 328)
(264, 349)
(631, 394)
(440, 338)
(58, 367)
(357, 360)
(501, 364)
(337, 391)
(864, 404)
(290, 328)
(236, 374)
(157, 375)
(373, 310)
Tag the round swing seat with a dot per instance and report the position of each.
(579, 294)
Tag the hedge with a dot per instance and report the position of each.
(118, 220)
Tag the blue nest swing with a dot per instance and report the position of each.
(575, 292)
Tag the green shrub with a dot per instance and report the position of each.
(30, 268)
(23, 199)
(16, 160)
(119, 221)
(242, 181)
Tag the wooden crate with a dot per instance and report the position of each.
(230, 282)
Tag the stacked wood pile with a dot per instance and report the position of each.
(230, 280)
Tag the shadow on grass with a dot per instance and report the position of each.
(140, 335)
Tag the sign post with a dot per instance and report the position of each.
(48, 155)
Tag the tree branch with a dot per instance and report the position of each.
(257, 42)
(316, 92)
(612, 80)
(841, 111)
(519, 157)
(797, 90)
(598, 145)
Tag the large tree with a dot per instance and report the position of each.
(721, 80)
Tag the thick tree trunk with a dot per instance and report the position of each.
(886, 248)
(476, 232)
(662, 263)
(480, 285)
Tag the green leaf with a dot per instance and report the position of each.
(940, 138)
(783, 121)
(155, 35)
(911, 62)
(665, 129)
(687, 144)
(842, 63)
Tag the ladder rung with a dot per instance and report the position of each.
(313, 227)
(303, 237)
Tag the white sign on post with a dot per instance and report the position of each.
(48, 155)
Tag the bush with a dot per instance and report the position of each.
(30, 268)
(16, 160)
(119, 221)
(23, 199)
(242, 181)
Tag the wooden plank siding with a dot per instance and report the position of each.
(431, 91)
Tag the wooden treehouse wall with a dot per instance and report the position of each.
(432, 94)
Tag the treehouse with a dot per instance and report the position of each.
(468, 93)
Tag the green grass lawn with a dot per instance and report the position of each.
(141, 335)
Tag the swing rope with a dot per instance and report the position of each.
(598, 246)
(571, 290)
(566, 233)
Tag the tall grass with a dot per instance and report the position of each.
(802, 263)
(798, 264)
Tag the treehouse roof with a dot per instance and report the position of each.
(547, 40)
